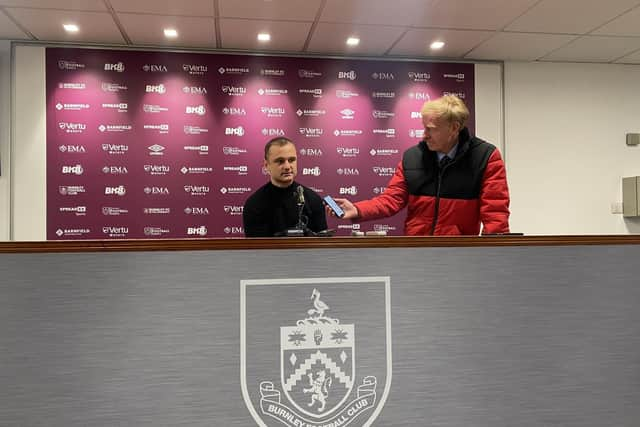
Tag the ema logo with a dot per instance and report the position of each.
(115, 191)
(311, 171)
(273, 132)
(351, 191)
(311, 152)
(156, 191)
(313, 378)
(161, 89)
(348, 75)
(115, 170)
(118, 67)
(420, 96)
(234, 111)
(233, 230)
(237, 131)
(154, 68)
(383, 76)
(192, 210)
(79, 149)
(197, 231)
(75, 170)
(348, 171)
(200, 110)
(195, 90)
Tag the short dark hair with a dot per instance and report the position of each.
(279, 141)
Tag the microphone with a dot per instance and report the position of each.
(300, 193)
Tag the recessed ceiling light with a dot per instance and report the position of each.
(437, 45)
(71, 28)
(353, 41)
(264, 37)
(170, 32)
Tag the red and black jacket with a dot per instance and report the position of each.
(454, 199)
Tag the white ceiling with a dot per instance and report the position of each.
(519, 30)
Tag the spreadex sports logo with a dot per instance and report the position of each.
(303, 371)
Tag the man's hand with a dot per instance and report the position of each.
(350, 211)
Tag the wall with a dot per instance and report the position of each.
(5, 132)
(29, 203)
(565, 145)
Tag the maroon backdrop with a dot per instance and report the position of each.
(170, 145)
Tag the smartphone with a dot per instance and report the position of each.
(328, 200)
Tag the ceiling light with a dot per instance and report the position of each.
(170, 32)
(353, 41)
(437, 45)
(264, 37)
(71, 28)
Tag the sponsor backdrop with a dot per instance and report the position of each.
(170, 145)
(489, 337)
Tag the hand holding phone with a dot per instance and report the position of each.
(335, 208)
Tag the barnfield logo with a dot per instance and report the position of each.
(300, 364)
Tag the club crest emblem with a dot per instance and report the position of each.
(301, 348)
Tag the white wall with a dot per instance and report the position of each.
(29, 145)
(565, 145)
(5, 132)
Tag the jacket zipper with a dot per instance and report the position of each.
(437, 206)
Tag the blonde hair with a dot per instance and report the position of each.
(448, 107)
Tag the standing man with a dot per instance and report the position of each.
(451, 182)
(279, 205)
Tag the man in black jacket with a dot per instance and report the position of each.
(280, 205)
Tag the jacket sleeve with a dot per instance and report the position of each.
(494, 196)
(389, 203)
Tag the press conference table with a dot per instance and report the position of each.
(447, 331)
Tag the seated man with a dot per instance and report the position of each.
(279, 205)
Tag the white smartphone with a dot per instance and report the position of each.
(328, 200)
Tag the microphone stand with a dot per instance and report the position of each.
(300, 229)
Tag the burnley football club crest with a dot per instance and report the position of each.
(302, 341)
